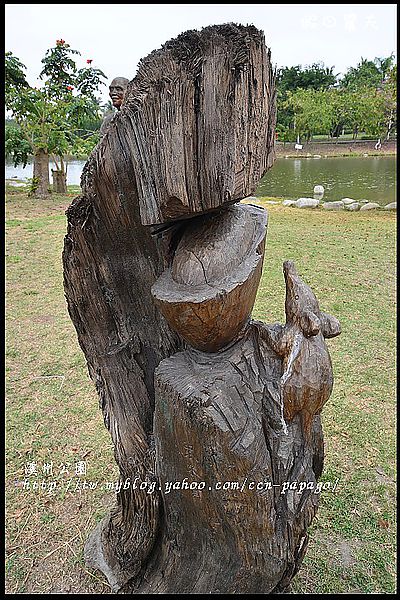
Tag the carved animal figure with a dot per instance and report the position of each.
(307, 379)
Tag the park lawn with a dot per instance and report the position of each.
(53, 416)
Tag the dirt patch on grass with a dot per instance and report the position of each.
(50, 559)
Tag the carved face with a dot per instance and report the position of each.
(117, 91)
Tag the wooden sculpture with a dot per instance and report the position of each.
(212, 411)
(307, 379)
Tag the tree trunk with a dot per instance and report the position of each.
(59, 182)
(240, 532)
(41, 181)
(110, 263)
(390, 124)
(194, 389)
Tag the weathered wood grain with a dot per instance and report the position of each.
(110, 263)
(111, 260)
(203, 113)
(219, 419)
(307, 378)
(157, 211)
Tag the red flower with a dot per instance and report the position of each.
(70, 88)
(89, 61)
(60, 42)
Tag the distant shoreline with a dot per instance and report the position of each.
(332, 149)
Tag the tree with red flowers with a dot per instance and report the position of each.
(56, 120)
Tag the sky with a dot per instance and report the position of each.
(117, 36)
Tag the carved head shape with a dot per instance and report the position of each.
(203, 111)
(301, 305)
(118, 89)
(208, 293)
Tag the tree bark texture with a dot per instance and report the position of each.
(203, 114)
(41, 173)
(208, 293)
(110, 263)
(196, 389)
(219, 420)
(59, 182)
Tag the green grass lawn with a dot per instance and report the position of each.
(53, 416)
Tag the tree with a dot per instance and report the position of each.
(368, 73)
(291, 79)
(163, 428)
(389, 98)
(344, 106)
(385, 66)
(14, 75)
(312, 112)
(16, 146)
(372, 87)
(316, 77)
(330, 111)
(311, 101)
(54, 119)
(365, 74)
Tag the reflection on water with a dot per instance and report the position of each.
(371, 178)
(297, 166)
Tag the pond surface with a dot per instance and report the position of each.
(73, 174)
(371, 178)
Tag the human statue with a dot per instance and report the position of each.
(117, 89)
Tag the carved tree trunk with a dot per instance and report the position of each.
(218, 421)
(110, 264)
(199, 394)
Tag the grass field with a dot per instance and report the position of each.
(54, 423)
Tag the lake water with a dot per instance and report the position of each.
(73, 174)
(370, 178)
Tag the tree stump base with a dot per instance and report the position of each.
(59, 182)
(220, 435)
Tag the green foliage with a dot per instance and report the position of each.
(368, 73)
(88, 80)
(332, 111)
(17, 148)
(312, 112)
(285, 133)
(389, 99)
(14, 75)
(83, 147)
(290, 79)
(312, 102)
(316, 77)
(60, 116)
(59, 70)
